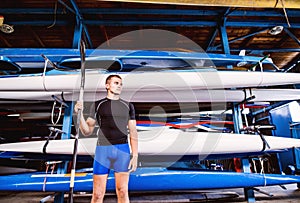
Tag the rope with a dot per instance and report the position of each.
(285, 14)
(46, 172)
(55, 12)
(44, 72)
(59, 113)
(262, 171)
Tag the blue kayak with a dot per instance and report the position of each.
(146, 179)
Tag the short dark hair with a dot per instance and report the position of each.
(110, 77)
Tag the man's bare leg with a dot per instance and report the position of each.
(99, 188)
(122, 187)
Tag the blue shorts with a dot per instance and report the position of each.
(116, 157)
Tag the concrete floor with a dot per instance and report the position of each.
(291, 195)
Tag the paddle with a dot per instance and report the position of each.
(82, 54)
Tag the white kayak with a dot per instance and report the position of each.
(151, 81)
(164, 141)
(164, 95)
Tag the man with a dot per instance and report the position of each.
(114, 116)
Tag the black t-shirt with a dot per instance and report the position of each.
(112, 117)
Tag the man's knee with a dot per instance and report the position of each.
(122, 192)
(98, 195)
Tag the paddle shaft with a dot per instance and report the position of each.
(72, 179)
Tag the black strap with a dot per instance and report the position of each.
(265, 143)
(50, 136)
(46, 143)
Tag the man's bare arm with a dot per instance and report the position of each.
(86, 126)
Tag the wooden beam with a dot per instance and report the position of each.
(223, 3)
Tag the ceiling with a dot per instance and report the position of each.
(221, 29)
(60, 24)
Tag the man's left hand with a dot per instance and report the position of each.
(133, 163)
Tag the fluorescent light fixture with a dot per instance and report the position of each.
(276, 30)
(14, 115)
(36, 115)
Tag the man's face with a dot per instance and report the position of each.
(114, 85)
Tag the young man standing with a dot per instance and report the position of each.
(115, 117)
